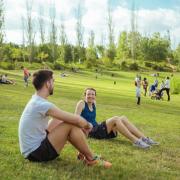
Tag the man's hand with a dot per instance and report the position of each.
(87, 129)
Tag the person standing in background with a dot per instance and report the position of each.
(138, 89)
(145, 85)
(26, 75)
(166, 88)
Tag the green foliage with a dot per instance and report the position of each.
(175, 85)
(176, 89)
(111, 53)
(1, 23)
(155, 48)
(177, 55)
(65, 52)
(90, 57)
(7, 65)
(134, 39)
(42, 56)
(161, 67)
(148, 64)
(107, 61)
(133, 66)
(124, 65)
(58, 66)
(152, 50)
(122, 49)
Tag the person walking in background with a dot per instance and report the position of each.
(138, 89)
(166, 88)
(26, 75)
(145, 85)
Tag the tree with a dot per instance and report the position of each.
(30, 30)
(23, 38)
(91, 55)
(158, 47)
(133, 38)
(53, 32)
(41, 24)
(63, 42)
(111, 50)
(42, 56)
(79, 34)
(177, 55)
(123, 49)
(1, 27)
(154, 48)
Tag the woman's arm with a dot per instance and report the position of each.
(79, 107)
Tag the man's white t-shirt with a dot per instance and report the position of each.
(167, 83)
(33, 124)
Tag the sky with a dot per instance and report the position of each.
(152, 16)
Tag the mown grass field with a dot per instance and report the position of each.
(157, 119)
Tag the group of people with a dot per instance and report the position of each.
(26, 74)
(42, 139)
(153, 89)
(4, 78)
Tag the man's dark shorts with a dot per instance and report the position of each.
(100, 132)
(45, 152)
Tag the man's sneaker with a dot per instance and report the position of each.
(149, 141)
(98, 161)
(140, 144)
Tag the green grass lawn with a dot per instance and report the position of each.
(157, 119)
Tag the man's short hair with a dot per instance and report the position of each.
(40, 77)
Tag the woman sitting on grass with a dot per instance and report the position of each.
(110, 127)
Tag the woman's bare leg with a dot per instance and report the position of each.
(131, 127)
(115, 124)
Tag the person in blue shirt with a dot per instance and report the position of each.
(111, 127)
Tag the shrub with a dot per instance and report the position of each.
(133, 66)
(7, 65)
(107, 62)
(157, 67)
(148, 64)
(162, 68)
(176, 89)
(123, 65)
(58, 66)
(88, 64)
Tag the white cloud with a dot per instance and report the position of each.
(94, 18)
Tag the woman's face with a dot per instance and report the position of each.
(90, 96)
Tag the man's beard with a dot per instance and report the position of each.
(51, 91)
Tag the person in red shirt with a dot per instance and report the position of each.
(26, 75)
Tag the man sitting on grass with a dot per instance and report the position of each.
(4, 80)
(39, 143)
